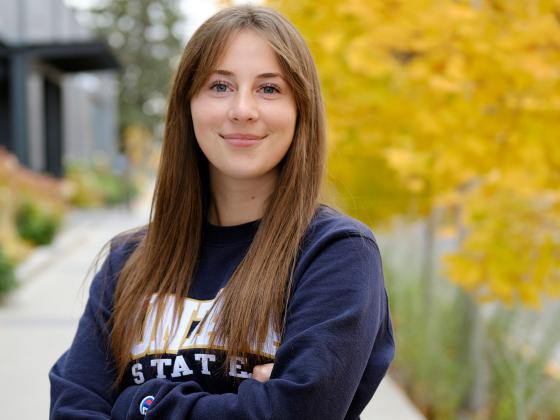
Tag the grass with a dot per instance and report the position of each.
(434, 360)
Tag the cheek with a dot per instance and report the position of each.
(202, 118)
(283, 118)
(286, 124)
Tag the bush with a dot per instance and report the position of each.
(116, 189)
(7, 276)
(97, 186)
(35, 224)
(17, 185)
(434, 363)
(431, 360)
(520, 347)
(86, 191)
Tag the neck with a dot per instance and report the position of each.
(238, 201)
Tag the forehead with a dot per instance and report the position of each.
(248, 50)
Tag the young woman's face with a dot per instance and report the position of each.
(245, 114)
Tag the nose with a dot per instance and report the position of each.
(243, 107)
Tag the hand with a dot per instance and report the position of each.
(262, 372)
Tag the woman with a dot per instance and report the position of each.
(243, 297)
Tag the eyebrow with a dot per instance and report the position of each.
(260, 76)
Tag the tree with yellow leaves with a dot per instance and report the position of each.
(449, 107)
(440, 104)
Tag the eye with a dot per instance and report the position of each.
(270, 89)
(219, 86)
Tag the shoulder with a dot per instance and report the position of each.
(338, 250)
(115, 253)
(123, 245)
(330, 225)
(334, 238)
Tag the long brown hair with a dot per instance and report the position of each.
(165, 259)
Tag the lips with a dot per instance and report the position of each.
(242, 139)
(241, 136)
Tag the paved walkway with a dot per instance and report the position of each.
(38, 321)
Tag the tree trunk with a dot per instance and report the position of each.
(428, 263)
(478, 361)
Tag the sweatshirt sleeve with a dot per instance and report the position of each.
(335, 313)
(82, 377)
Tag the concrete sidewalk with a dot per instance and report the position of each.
(38, 321)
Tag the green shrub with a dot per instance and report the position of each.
(431, 359)
(86, 189)
(434, 363)
(116, 189)
(7, 276)
(35, 224)
(519, 354)
(96, 186)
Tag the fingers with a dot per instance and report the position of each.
(262, 372)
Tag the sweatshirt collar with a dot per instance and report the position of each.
(226, 235)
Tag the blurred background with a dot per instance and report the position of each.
(444, 137)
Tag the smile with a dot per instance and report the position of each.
(241, 140)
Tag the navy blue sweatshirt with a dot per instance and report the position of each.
(336, 347)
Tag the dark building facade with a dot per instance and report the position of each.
(46, 118)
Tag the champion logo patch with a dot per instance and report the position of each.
(145, 404)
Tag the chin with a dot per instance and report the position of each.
(245, 173)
